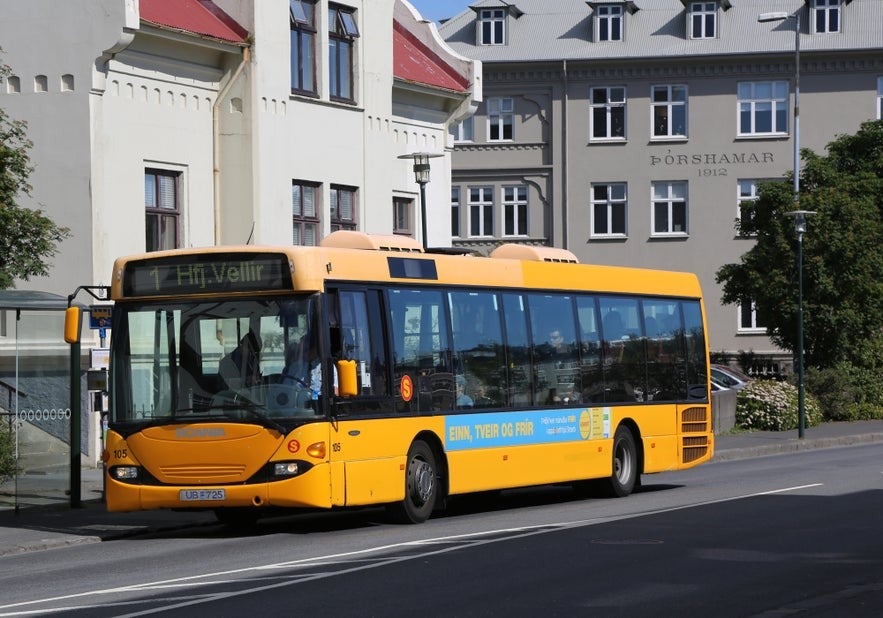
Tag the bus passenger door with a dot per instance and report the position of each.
(361, 467)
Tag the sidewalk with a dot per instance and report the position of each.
(55, 524)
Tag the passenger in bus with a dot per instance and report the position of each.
(303, 366)
(463, 400)
(241, 368)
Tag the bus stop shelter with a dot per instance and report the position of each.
(35, 399)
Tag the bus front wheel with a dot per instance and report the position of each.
(421, 486)
(625, 464)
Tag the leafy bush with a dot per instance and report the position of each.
(846, 392)
(770, 405)
(7, 454)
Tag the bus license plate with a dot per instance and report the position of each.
(202, 495)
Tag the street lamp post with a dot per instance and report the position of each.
(798, 214)
(800, 229)
(421, 177)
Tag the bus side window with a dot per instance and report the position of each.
(478, 348)
(518, 367)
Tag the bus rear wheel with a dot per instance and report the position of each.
(421, 486)
(625, 464)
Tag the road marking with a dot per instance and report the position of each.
(439, 545)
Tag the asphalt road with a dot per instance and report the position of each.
(795, 533)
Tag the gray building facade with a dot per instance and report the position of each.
(631, 132)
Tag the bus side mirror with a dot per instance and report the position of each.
(347, 382)
(73, 323)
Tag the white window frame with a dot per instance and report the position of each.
(746, 192)
(611, 16)
(515, 209)
(672, 198)
(880, 98)
(827, 16)
(749, 312)
(501, 114)
(456, 222)
(491, 27)
(666, 109)
(615, 198)
(615, 99)
(702, 16)
(763, 98)
(403, 213)
(481, 203)
(464, 131)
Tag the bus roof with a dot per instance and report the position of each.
(359, 257)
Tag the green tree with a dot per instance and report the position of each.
(27, 237)
(843, 255)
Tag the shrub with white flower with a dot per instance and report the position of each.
(768, 405)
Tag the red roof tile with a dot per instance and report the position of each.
(202, 17)
(413, 61)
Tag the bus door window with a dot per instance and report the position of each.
(518, 370)
(555, 352)
(665, 362)
(479, 360)
(423, 379)
(694, 335)
(621, 329)
(590, 369)
(357, 335)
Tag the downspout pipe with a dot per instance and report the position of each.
(565, 147)
(216, 140)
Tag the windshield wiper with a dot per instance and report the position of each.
(241, 402)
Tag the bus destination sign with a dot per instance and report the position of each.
(204, 274)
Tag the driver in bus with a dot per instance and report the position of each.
(241, 367)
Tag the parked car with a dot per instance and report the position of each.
(729, 377)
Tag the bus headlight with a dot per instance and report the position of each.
(125, 473)
(286, 468)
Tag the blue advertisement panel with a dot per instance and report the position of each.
(494, 429)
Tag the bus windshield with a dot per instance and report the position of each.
(253, 360)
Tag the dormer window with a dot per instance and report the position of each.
(703, 20)
(825, 16)
(492, 27)
(608, 22)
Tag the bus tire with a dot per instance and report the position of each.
(421, 486)
(625, 464)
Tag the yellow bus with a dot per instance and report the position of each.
(367, 371)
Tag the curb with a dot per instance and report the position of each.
(794, 445)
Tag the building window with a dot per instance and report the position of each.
(763, 108)
(607, 118)
(500, 119)
(608, 22)
(492, 27)
(304, 213)
(403, 216)
(826, 16)
(515, 211)
(464, 131)
(343, 208)
(163, 209)
(342, 32)
(748, 318)
(303, 45)
(609, 209)
(747, 197)
(669, 108)
(481, 211)
(669, 208)
(703, 20)
(880, 98)
(455, 212)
